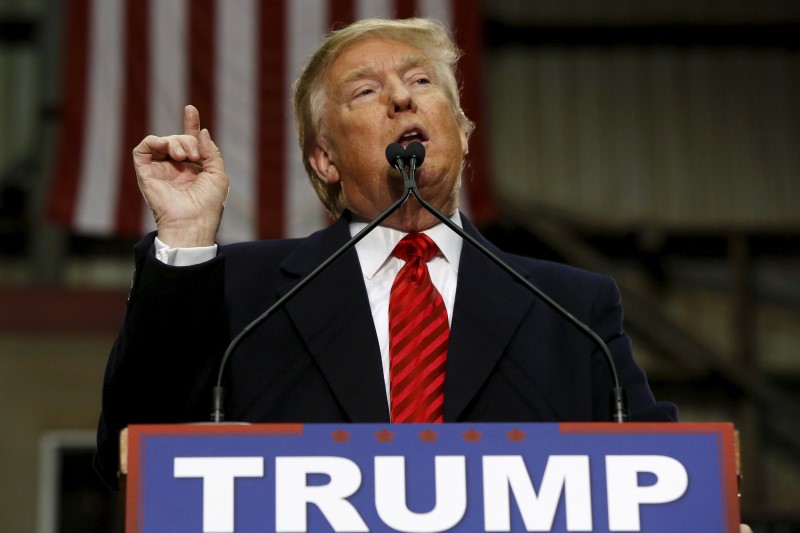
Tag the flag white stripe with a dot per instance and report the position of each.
(307, 22)
(436, 9)
(168, 63)
(374, 9)
(96, 203)
(235, 99)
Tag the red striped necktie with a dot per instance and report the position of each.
(418, 335)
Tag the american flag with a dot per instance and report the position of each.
(131, 65)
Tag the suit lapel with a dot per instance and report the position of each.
(489, 306)
(332, 316)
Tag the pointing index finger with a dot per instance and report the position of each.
(191, 121)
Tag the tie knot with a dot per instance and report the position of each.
(416, 245)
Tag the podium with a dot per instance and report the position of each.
(652, 477)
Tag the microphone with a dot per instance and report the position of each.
(399, 157)
(415, 152)
(396, 156)
(619, 403)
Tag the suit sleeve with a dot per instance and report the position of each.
(163, 363)
(607, 321)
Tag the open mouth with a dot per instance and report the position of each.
(410, 135)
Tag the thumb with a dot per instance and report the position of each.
(210, 154)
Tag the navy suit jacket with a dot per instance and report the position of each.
(510, 357)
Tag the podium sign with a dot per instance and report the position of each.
(429, 478)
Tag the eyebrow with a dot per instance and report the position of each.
(365, 71)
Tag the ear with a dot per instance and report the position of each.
(464, 142)
(322, 163)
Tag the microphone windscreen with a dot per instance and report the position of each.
(394, 151)
(416, 149)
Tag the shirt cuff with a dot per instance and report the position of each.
(184, 256)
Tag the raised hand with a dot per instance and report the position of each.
(183, 180)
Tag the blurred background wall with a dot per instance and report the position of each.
(654, 141)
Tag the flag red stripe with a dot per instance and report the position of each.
(201, 42)
(273, 111)
(135, 103)
(64, 189)
(341, 13)
(404, 9)
(469, 36)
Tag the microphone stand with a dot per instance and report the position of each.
(397, 157)
(618, 400)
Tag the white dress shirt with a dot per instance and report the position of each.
(378, 266)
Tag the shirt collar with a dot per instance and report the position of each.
(374, 249)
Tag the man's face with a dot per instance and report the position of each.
(377, 92)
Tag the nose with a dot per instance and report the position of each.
(400, 99)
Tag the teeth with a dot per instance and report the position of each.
(412, 133)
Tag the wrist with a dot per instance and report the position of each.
(193, 236)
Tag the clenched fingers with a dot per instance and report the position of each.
(175, 147)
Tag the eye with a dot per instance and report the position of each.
(362, 92)
(422, 81)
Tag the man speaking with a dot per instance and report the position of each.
(411, 325)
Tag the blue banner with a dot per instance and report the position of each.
(431, 478)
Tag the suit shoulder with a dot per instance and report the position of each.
(566, 283)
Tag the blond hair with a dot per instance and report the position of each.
(430, 36)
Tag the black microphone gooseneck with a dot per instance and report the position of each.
(618, 400)
(415, 153)
(396, 156)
